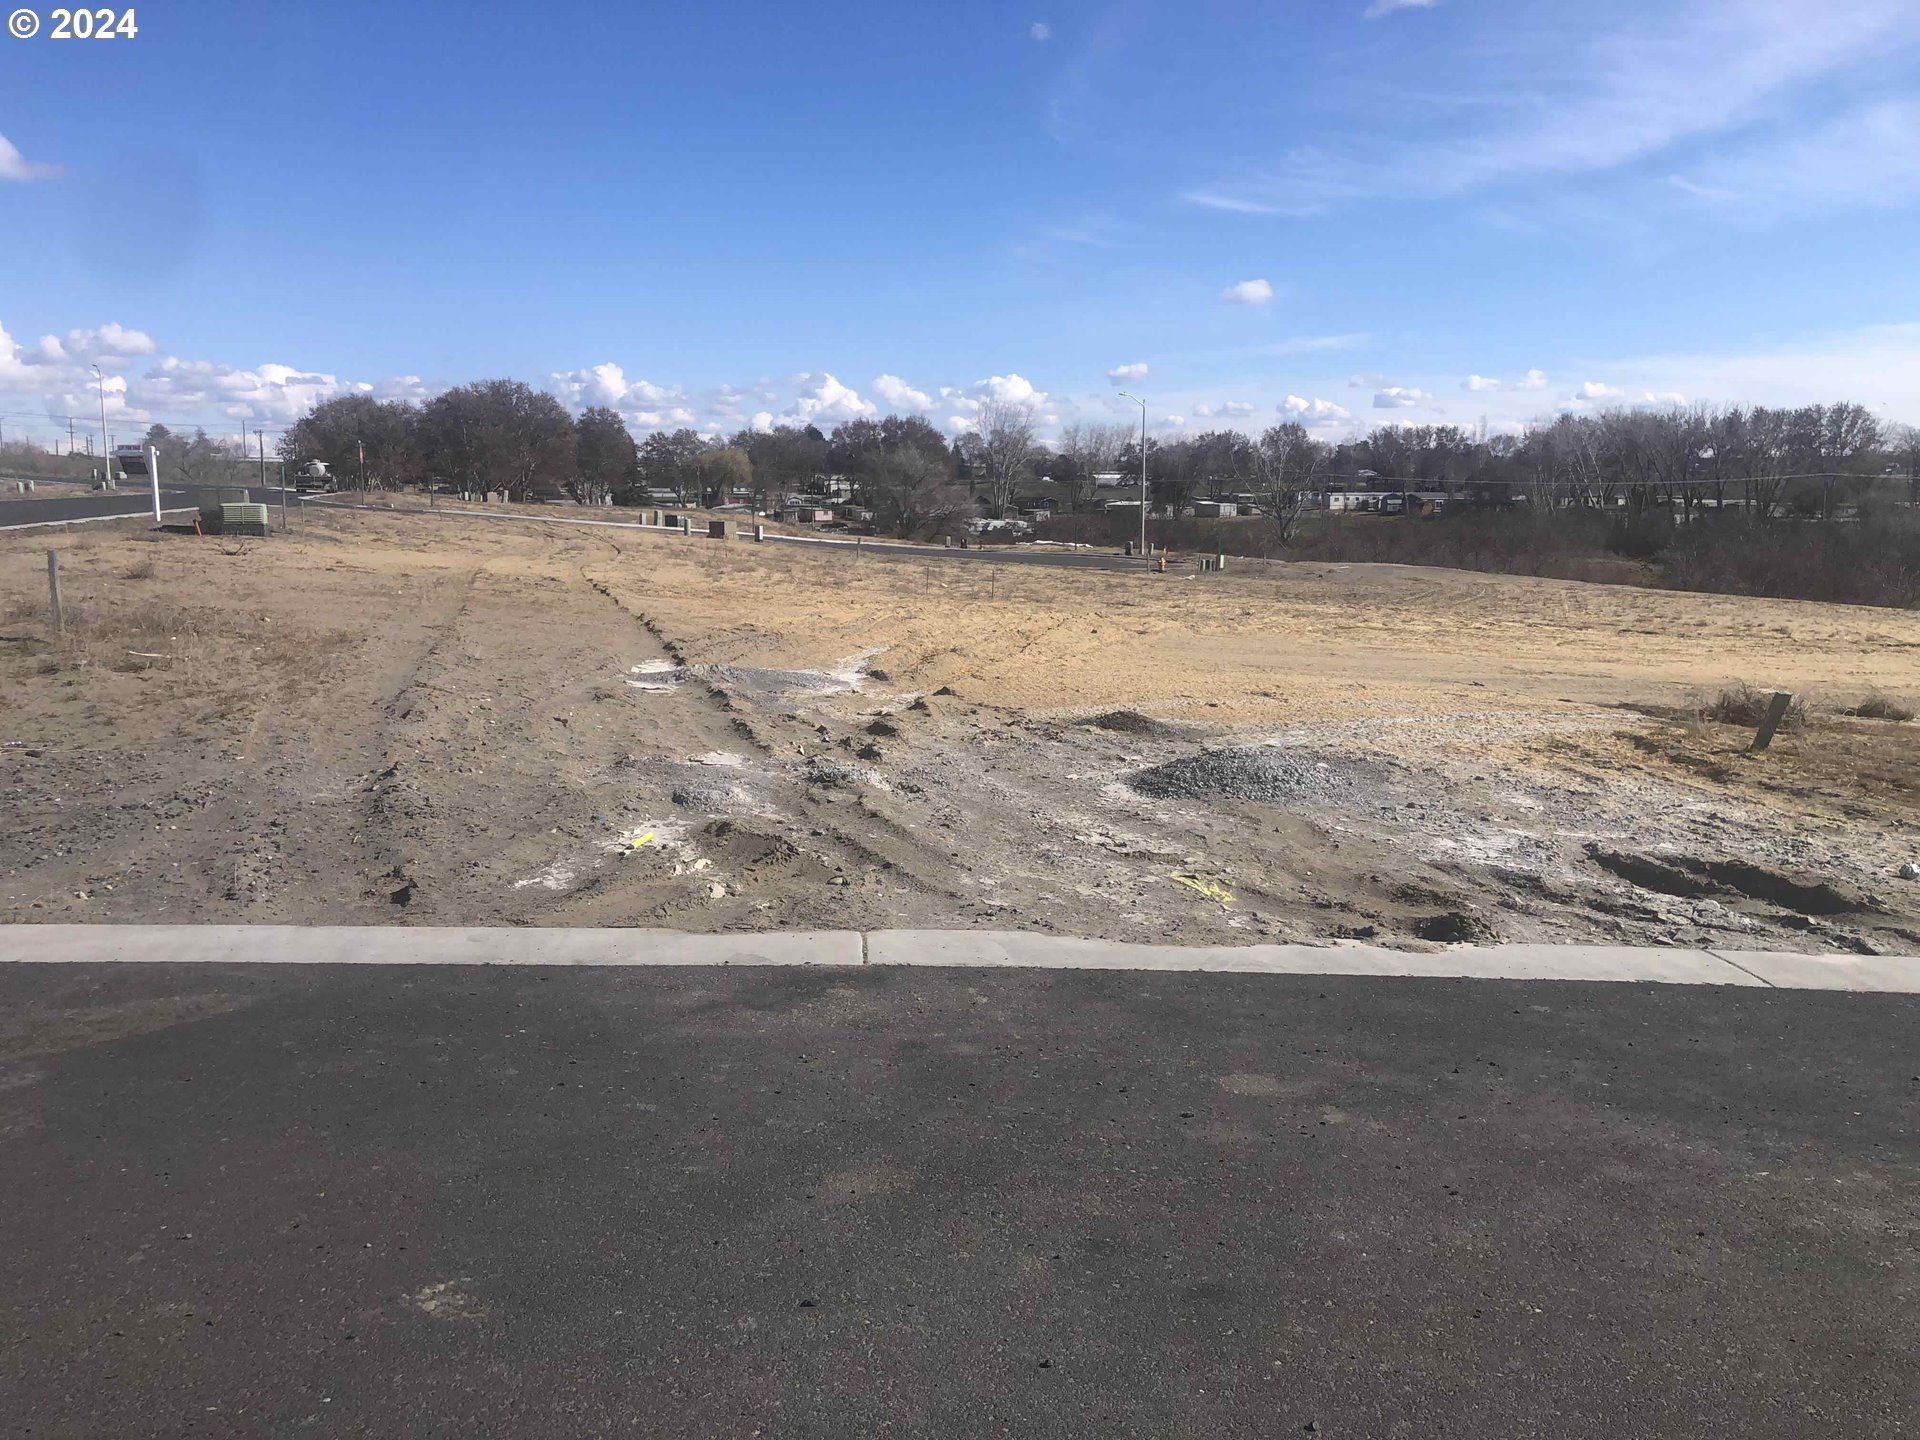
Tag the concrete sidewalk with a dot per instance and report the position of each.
(396, 945)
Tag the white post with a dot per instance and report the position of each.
(1143, 471)
(153, 475)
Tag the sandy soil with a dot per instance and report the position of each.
(407, 719)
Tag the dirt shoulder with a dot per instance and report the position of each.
(407, 719)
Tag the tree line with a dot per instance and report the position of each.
(504, 436)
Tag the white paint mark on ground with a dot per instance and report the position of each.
(446, 1300)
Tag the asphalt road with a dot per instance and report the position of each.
(449, 1200)
(128, 502)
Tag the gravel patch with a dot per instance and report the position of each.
(1132, 722)
(1260, 773)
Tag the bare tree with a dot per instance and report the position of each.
(1089, 448)
(1003, 447)
(1903, 445)
(1847, 434)
(1765, 458)
(914, 495)
(1284, 460)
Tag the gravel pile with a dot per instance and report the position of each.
(705, 786)
(1132, 722)
(1251, 772)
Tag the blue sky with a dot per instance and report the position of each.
(1350, 211)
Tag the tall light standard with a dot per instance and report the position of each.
(105, 451)
(1143, 469)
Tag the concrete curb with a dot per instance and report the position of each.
(427, 945)
(415, 945)
(1484, 962)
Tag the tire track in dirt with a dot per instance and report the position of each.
(374, 836)
(861, 838)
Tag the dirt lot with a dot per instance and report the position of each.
(432, 720)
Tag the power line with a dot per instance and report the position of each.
(59, 420)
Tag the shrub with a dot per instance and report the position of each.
(1875, 563)
(1881, 707)
(1742, 704)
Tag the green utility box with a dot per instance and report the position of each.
(227, 510)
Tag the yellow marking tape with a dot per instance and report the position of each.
(1205, 887)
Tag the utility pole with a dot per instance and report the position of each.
(1143, 470)
(69, 435)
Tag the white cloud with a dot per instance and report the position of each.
(900, 395)
(189, 388)
(1314, 412)
(1400, 397)
(1367, 380)
(1040, 31)
(1596, 390)
(15, 166)
(607, 384)
(112, 343)
(1205, 412)
(961, 424)
(1174, 420)
(1125, 374)
(1248, 292)
(1236, 408)
(1609, 86)
(1006, 389)
(410, 388)
(1868, 158)
(823, 400)
(1012, 390)
(1532, 380)
(1387, 7)
(672, 418)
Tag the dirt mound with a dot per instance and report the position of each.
(1260, 773)
(1132, 722)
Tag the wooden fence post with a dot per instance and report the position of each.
(53, 590)
(1776, 712)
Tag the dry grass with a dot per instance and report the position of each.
(1743, 704)
(1881, 707)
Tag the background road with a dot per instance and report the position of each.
(77, 507)
(393, 1200)
(127, 502)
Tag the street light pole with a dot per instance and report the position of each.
(105, 453)
(1143, 470)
